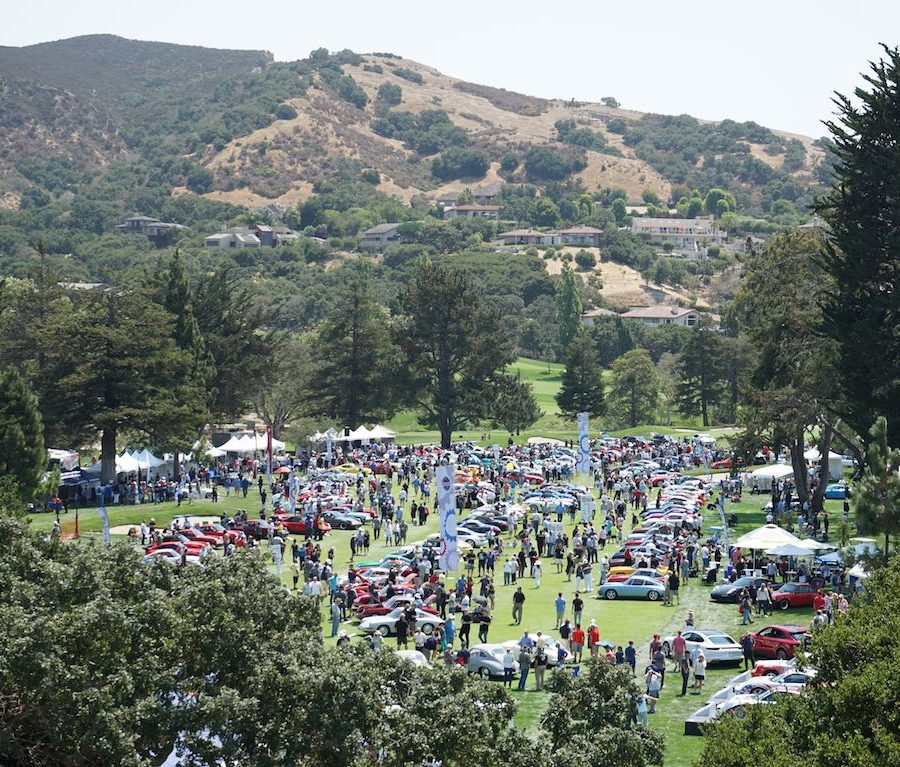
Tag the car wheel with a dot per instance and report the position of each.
(667, 650)
(484, 673)
(781, 654)
(343, 525)
(784, 604)
(427, 628)
(611, 594)
(653, 596)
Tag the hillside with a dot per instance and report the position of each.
(241, 128)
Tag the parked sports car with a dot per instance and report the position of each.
(486, 660)
(633, 588)
(838, 491)
(794, 595)
(717, 646)
(731, 592)
(424, 620)
(778, 641)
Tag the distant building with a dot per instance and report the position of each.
(591, 315)
(238, 239)
(448, 200)
(530, 237)
(158, 232)
(667, 314)
(585, 236)
(684, 233)
(490, 212)
(380, 236)
(487, 194)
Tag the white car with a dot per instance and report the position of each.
(426, 621)
(716, 646)
(171, 556)
(413, 656)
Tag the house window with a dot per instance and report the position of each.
(691, 320)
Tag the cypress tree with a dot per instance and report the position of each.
(22, 453)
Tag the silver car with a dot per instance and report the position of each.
(486, 660)
(425, 621)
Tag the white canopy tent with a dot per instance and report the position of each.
(236, 444)
(361, 433)
(68, 459)
(764, 477)
(835, 467)
(790, 550)
(125, 463)
(768, 537)
(813, 545)
(380, 432)
(858, 571)
(145, 458)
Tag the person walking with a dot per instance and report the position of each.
(577, 608)
(540, 666)
(699, 671)
(524, 665)
(747, 646)
(673, 584)
(684, 666)
(577, 643)
(335, 617)
(509, 663)
(631, 657)
(678, 647)
(746, 608)
(560, 605)
(518, 604)
(537, 571)
(654, 684)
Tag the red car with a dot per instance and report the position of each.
(199, 537)
(771, 668)
(197, 549)
(794, 595)
(780, 642)
(723, 464)
(296, 525)
(214, 529)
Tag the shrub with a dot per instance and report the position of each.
(585, 259)
(285, 112)
(543, 163)
(509, 162)
(389, 94)
(371, 176)
(408, 74)
(457, 162)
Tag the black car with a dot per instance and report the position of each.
(731, 592)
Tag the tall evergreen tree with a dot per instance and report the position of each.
(581, 390)
(635, 388)
(699, 374)
(878, 492)
(126, 374)
(568, 308)
(514, 406)
(356, 374)
(862, 310)
(22, 453)
(454, 345)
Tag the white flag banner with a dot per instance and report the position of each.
(446, 498)
(104, 519)
(584, 445)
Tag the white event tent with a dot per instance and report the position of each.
(835, 467)
(768, 537)
(764, 477)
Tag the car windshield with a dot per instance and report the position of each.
(720, 639)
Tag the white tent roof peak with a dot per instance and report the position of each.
(767, 537)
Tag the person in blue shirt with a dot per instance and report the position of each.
(560, 605)
(631, 656)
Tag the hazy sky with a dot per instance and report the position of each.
(774, 62)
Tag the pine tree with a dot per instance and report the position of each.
(22, 453)
(581, 390)
(355, 379)
(514, 405)
(699, 374)
(568, 308)
(635, 387)
(878, 492)
(862, 311)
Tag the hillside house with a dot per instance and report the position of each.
(683, 233)
(487, 194)
(530, 237)
(583, 236)
(667, 314)
(380, 236)
(241, 238)
(448, 200)
(591, 315)
(158, 232)
(490, 212)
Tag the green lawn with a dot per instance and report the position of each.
(545, 379)
(619, 621)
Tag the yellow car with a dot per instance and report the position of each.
(625, 570)
(351, 468)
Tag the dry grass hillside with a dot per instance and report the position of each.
(281, 162)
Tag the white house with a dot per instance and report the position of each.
(232, 240)
(585, 236)
(380, 236)
(666, 314)
(490, 212)
(690, 233)
(530, 237)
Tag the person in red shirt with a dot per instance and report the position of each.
(577, 643)
(678, 647)
(593, 636)
(818, 601)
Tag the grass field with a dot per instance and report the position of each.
(545, 378)
(619, 621)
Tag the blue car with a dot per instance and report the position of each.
(837, 492)
(634, 588)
